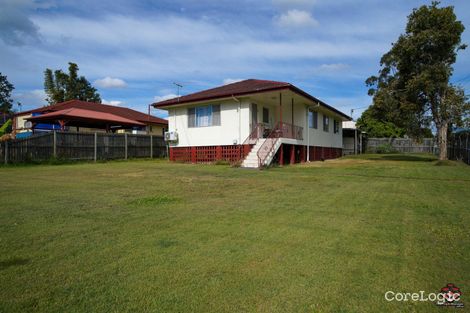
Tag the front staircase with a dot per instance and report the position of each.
(264, 149)
(253, 159)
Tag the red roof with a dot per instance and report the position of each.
(245, 87)
(81, 115)
(248, 86)
(98, 107)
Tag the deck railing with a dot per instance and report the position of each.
(282, 130)
(255, 134)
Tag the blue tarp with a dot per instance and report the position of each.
(23, 135)
(45, 126)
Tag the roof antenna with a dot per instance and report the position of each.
(178, 87)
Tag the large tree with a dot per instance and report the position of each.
(60, 86)
(6, 102)
(414, 77)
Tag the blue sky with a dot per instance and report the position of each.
(133, 51)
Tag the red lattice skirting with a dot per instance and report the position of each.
(208, 154)
(324, 153)
(236, 153)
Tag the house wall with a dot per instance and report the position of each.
(348, 145)
(235, 124)
(318, 137)
(19, 123)
(233, 129)
(151, 129)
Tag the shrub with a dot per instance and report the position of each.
(222, 162)
(385, 148)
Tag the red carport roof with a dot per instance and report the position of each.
(81, 115)
(98, 107)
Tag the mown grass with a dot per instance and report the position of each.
(150, 236)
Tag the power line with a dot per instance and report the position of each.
(463, 79)
(352, 110)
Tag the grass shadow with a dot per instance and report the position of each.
(13, 262)
(404, 157)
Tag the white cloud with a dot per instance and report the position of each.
(333, 67)
(167, 47)
(109, 82)
(227, 81)
(297, 18)
(112, 102)
(30, 99)
(164, 97)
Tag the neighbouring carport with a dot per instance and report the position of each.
(85, 118)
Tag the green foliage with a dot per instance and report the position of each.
(61, 87)
(378, 127)
(222, 162)
(385, 148)
(6, 128)
(414, 79)
(6, 102)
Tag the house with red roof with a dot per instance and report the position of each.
(254, 122)
(81, 116)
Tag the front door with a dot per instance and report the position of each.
(254, 116)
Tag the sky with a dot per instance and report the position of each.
(134, 51)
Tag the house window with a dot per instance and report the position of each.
(336, 126)
(312, 119)
(265, 115)
(203, 116)
(326, 123)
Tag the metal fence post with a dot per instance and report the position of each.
(125, 146)
(151, 146)
(6, 152)
(54, 143)
(95, 151)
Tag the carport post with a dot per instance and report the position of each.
(151, 146)
(125, 146)
(54, 143)
(95, 148)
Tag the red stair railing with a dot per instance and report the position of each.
(282, 130)
(255, 135)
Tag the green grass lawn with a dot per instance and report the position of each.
(150, 236)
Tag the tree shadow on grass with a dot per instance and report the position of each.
(405, 157)
(4, 264)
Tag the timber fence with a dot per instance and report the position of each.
(82, 146)
(458, 147)
(403, 145)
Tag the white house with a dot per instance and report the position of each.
(255, 122)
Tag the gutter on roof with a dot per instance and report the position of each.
(289, 87)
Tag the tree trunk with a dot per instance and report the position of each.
(442, 139)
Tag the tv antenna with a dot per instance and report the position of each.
(355, 109)
(178, 87)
